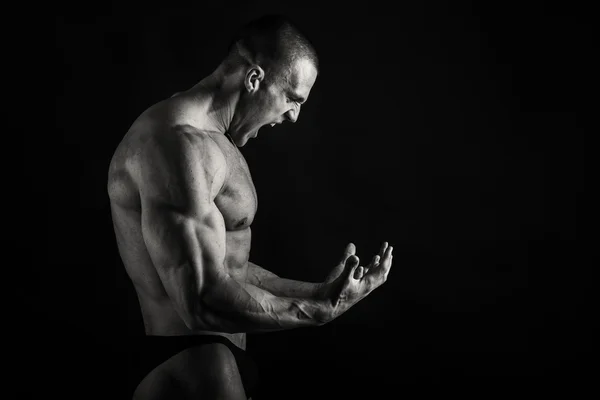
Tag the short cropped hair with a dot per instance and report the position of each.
(275, 43)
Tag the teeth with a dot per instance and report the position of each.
(273, 124)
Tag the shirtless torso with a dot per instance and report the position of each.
(236, 201)
(182, 202)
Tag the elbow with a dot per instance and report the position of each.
(198, 318)
(189, 314)
(194, 323)
(209, 322)
(191, 311)
(202, 317)
(200, 321)
(212, 311)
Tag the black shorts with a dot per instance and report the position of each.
(148, 352)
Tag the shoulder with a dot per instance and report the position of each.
(180, 156)
(171, 134)
(184, 146)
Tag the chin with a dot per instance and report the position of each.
(242, 142)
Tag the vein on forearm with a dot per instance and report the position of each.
(278, 286)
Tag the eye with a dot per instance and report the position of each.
(290, 100)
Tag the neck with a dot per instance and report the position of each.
(219, 94)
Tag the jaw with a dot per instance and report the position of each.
(241, 138)
(240, 142)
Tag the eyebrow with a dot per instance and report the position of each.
(297, 98)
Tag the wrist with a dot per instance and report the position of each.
(325, 311)
(317, 310)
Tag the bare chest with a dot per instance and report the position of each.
(237, 200)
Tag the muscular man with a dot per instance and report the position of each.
(183, 201)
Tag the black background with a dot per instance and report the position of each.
(453, 131)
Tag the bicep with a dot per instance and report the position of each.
(183, 229)
(187, 251)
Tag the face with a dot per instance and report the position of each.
(271, 104)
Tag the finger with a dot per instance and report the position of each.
(388, 253)
(374, 262)
(351, 265)
(384, 266)
(387, 271)
(372, 265)
(359, 273)
(348, 251)
(386, 263)
(383, 248)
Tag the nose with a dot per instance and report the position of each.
(292, 115)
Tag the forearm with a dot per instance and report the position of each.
(230, 306)
(272, 283)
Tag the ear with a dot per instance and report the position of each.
(254, 76)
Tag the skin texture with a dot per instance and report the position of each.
(183, 201)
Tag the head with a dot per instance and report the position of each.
(278, 66)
